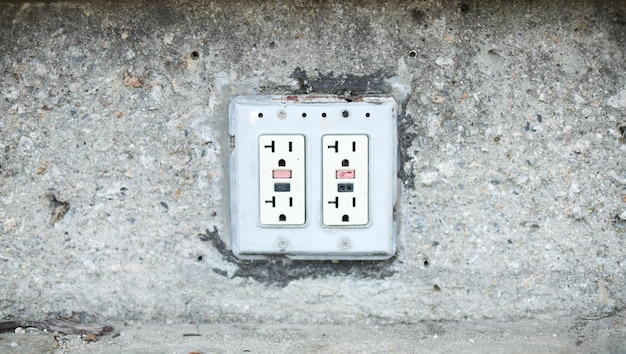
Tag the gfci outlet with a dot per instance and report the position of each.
(345, 166)
(313, 177)
(281, 180)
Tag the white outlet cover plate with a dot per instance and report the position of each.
(313, 116)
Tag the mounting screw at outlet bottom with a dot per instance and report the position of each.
(345, 244)
(282, 244)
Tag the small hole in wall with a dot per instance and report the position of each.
(200, 258)
(436, 288)
(426, 263)
(323, 115)
(412, 54)
(260, 115)
(303, 115)
(195, 55)
(367, 115)
(345, 114)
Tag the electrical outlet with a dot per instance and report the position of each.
(313, 205)
(281, 180)
(345, 175)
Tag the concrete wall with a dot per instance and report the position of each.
(114, 150)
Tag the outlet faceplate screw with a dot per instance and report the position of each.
(282, 114)
(282, 244)
(345, 244)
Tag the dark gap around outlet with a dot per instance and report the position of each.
(279, 271)
(347, 86)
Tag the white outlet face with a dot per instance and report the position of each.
(281, 180)
(282, 208)
(345, 166)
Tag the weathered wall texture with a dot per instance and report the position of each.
(114, 147)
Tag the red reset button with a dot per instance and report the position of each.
(281, 173)
(344, 174)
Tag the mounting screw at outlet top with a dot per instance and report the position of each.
(345, 244)
(282, 244)
(282, 114)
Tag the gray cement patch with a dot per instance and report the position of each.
(280, 271)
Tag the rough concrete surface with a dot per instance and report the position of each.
(114, 158)
(31, 343)
(567, 335)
